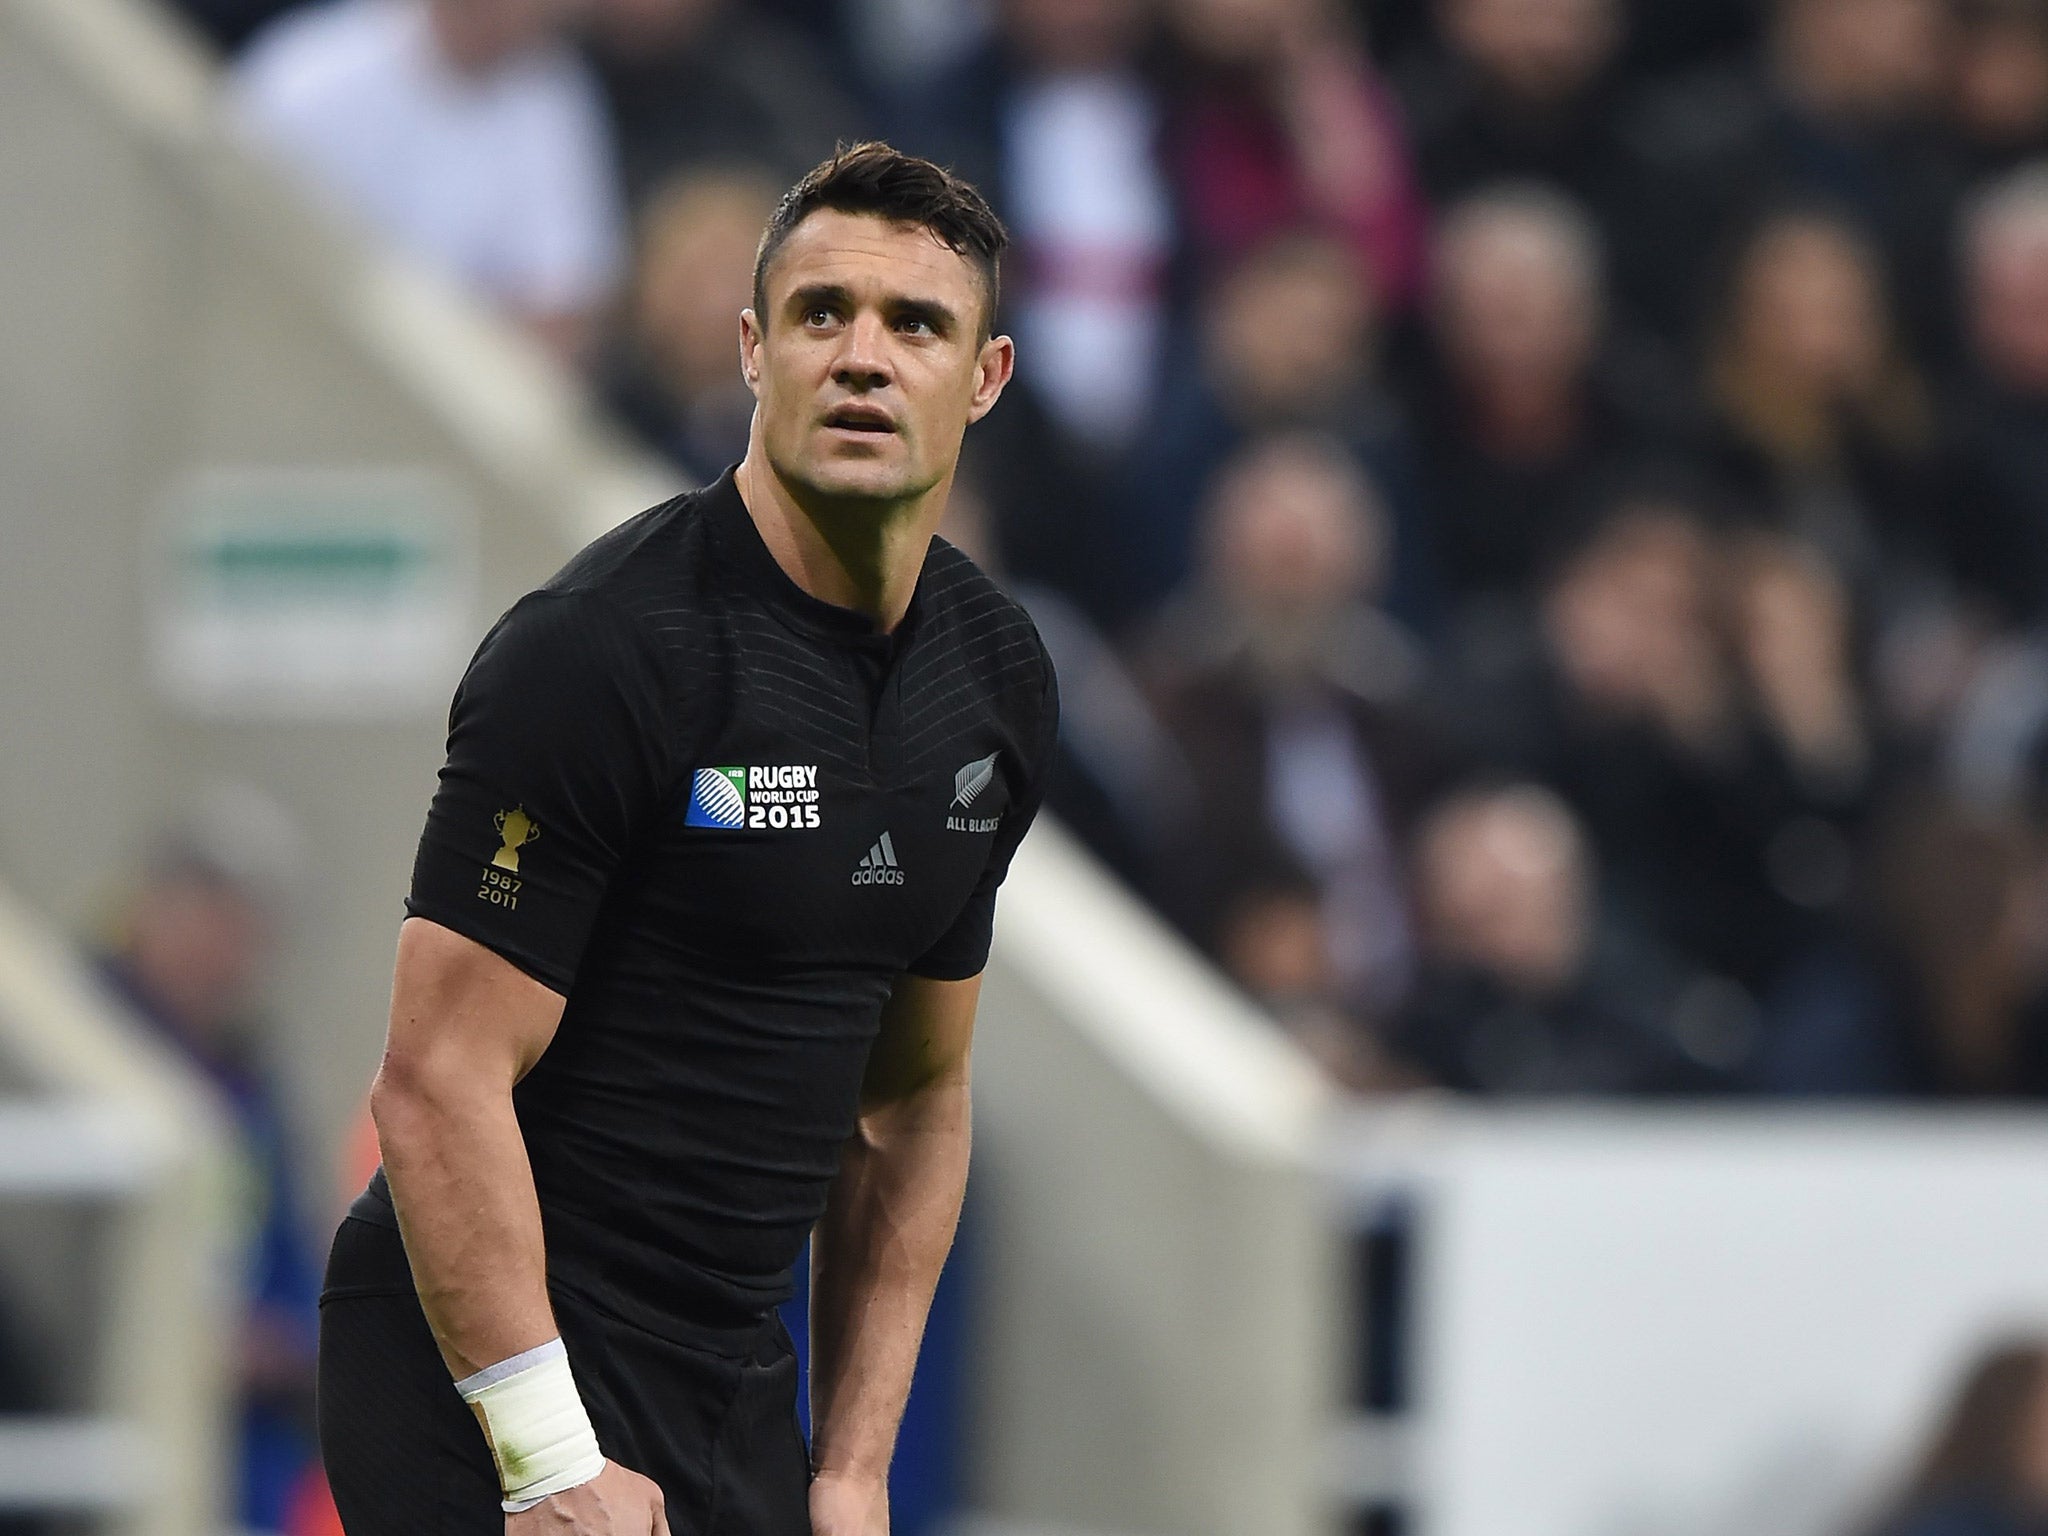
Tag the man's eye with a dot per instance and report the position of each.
(917, 327)
(817, 316)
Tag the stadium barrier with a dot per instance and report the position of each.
(1160, 1318)
(1731, 1320)
(110, 1147)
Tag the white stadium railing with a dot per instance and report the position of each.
(1161, 1339)
(100, 1120)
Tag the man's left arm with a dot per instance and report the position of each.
(877, 1252)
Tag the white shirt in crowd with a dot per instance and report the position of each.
(1094, 229)
(504, 179)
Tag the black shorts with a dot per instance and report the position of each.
(406, 1457)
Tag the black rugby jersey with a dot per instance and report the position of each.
(721, 816)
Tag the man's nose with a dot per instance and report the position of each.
(863, 361)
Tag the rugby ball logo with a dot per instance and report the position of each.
(718, 798)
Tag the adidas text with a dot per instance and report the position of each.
(878, 865)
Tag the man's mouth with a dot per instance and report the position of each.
(860, 418)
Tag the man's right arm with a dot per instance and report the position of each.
(466, 1025)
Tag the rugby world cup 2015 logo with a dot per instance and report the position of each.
(718, 798)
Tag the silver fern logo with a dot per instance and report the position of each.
(970, 781)
(969, 785)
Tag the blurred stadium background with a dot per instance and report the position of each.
(1533, 1015)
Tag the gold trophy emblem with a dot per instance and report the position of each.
(517, 830)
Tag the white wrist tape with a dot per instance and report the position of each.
(533, 1418)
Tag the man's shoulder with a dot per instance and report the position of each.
(627, 617)
(650, 554)
(988, 630)
(968, 597)
(647, 579)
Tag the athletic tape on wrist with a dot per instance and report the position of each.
(534, 1420)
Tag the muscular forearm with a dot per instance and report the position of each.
(464, 1192)
(876, 1258)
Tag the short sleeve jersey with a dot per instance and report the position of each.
(721, 817)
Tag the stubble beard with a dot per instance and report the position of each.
(850, 487)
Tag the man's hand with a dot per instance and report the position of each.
(846, 1505)
(614, 1503)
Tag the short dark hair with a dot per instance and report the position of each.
(872, 178)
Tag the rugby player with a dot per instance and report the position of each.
(693, 945)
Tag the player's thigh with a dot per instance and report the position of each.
(404, 1455)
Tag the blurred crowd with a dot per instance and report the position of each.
(188, 948)
(1540, 506)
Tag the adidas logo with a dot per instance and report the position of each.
(878, 865)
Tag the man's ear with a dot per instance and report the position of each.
(998, 360)
(751, 342)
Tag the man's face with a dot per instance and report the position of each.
(195, 948)
(1504, 887)
(696, 271)
(1074, 34)
(1865, 56)
(1513, 306)
(2009, 302)
(482, 35)
(1541, 50)
(1292, 329)
(868, 365)
(654, 24)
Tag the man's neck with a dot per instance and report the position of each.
(857, 555)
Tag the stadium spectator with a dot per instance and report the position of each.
(1985, 1472)
(1280, 121)
(1274, 941)
(1821, 425)
(1995, 500)
(1792, 636)
(673, 372)
(1288, 340)
(1998, 85)
(1725, 827)
(188, 953)
(1523, 90)
(1523, 414)
(462, 129)
(696, 83)
(1996, 754)
(1524, 988)
(1058, 120)
(1841, 108)
(1055, 507)
(1298, 705)
(1963, 999)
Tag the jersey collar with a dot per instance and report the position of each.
(740, 541)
